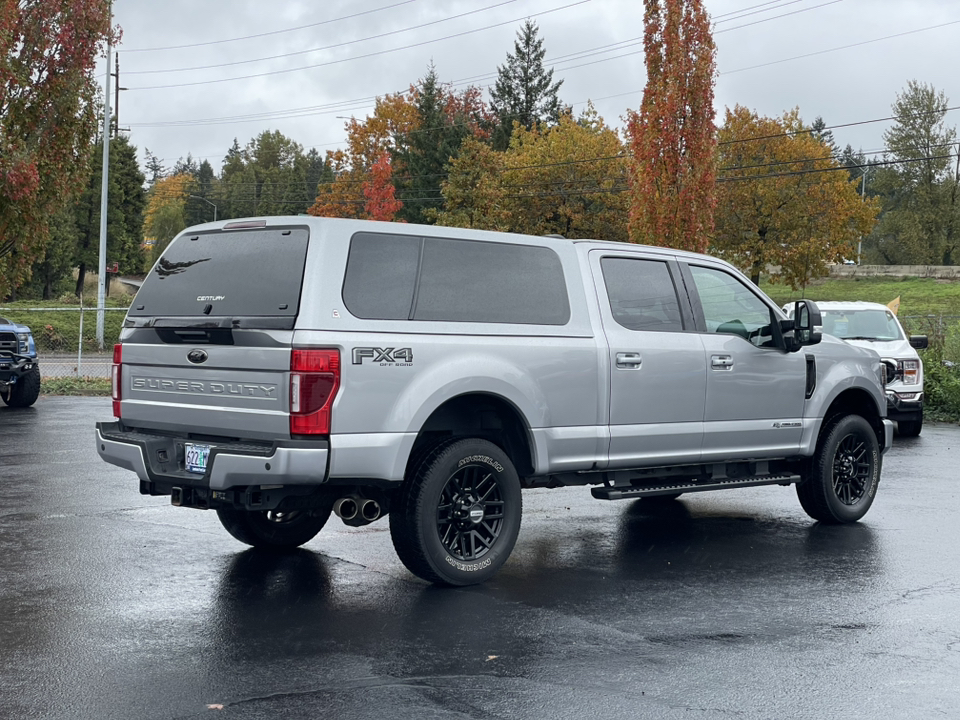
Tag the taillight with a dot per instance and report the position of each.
(115, 386)
(314, 380)
(911, 372)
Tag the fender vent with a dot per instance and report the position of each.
(811, 376)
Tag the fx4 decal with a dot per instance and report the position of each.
(384, 356)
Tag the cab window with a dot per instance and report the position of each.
(730, 307)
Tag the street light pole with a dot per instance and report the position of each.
(863, 198)
(197, 197)
(102, 264)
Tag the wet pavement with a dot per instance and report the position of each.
(114, 605)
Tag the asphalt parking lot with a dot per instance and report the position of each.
(723, 605)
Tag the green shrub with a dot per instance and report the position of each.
(75, 386)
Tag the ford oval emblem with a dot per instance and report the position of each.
(197, 356)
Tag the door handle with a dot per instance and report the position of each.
(627, 360)
(721, 362)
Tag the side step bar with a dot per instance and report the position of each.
(609, 492)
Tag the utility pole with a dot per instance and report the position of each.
(116, 99)
(104, 186)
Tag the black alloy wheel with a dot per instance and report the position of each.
(470, 512)
(841, 479)
(456, 518)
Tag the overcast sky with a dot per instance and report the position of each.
(200, 73)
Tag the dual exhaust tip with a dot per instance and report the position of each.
(356, 511)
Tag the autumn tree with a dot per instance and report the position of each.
(379, 192)
(524, 92)
(672, 137)
(473, 191)
(567, 179)
(785, 205)
(921, 189)
(367, 140)
(164, 216)
(48, 117)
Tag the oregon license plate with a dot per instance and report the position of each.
(195, 457)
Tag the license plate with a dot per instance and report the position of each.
(195, 457)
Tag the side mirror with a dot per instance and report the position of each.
(806, 323)
(919, 342)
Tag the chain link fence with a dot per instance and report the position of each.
(942, 331)
(66, 338)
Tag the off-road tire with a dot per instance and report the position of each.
(456, 517)
(274, 530)
(841, 478)
(25, 392)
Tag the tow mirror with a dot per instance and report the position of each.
(918, 341)
(806, 323)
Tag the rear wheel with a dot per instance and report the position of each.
(274, 529)
(842, 477)
(456, 518)
(25, 392)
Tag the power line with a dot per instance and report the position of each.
(795, 12)
(360, 57)
(326, 47)
(272, 32)
(842, 47)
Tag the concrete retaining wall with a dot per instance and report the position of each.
(944, 272)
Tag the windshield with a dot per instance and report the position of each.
(862, 324)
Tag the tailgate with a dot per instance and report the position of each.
(238, 391)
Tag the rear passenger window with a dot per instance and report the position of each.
(641, 294)
(393, 277)
(466, 281)
(381, 276)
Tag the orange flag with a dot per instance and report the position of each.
(894, 305)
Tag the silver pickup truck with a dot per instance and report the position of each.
(279, 370)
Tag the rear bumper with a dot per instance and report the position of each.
(157, 459)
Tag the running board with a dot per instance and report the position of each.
(625, 493)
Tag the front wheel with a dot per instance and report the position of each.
(274, 529)
(25, 392)
(842, 477)
(456, 517)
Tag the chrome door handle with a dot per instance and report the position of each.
(628, 360)
(721, 362)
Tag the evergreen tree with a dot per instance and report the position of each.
(153, 166)
(186, 167)
(126, 202)
(424, 153)
(201, 206)
(525, 91)
(819, 130)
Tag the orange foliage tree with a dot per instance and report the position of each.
(672, 138)
(379, 192)
(785, 205)
(367, 141)
(48, 115)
